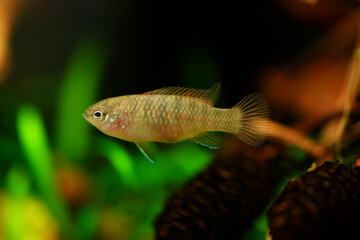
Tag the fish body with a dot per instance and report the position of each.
(175, 114)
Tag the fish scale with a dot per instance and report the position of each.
(175, 114)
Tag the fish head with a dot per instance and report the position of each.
(97, 115)
(108, 116)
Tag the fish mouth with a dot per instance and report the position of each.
(85, 115)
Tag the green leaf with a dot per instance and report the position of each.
(77, 93)
(121, 160)
(35, 146)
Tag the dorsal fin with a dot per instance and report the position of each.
(210, 95)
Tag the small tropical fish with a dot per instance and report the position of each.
(173, 114)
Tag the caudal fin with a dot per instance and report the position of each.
(251, 116)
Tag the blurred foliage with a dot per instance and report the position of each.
(84, 69)
(21, 210)
(33, 140)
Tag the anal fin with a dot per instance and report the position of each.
(208, 139)
(149, 149)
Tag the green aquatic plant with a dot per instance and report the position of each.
(36, 148)
(121, 161)
(77, 91)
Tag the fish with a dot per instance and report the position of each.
(174, 114)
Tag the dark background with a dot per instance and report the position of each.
(153, 43)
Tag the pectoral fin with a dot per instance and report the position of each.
(149, 149)
(208, 139)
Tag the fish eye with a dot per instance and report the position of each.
(98, 115)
